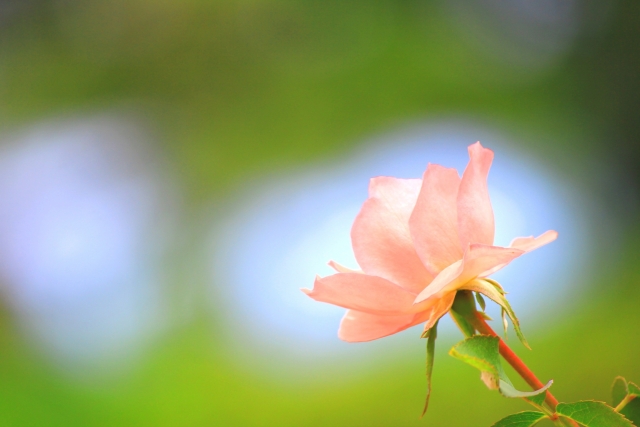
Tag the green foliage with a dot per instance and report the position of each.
(632, 411)
(593, 414)
(619, 390)
(431, 336)
(521, 419)
(538, 399)
(482, 352)
(626, 399)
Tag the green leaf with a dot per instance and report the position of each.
(593, 414)
(482, 352)
(632, 411)
(492, 290)
(633, 389)
(431, 346)
(619, 390)
(521, 419)
(538, 399)
(626, 399)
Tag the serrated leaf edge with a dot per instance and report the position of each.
(523, 412)
(595, 401)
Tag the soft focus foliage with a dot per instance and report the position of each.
(626, 399)
(481, 352)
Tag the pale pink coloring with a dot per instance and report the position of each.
(418, 242)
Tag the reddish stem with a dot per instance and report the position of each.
(516, 362)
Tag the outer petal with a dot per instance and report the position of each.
(434, 221)
(341, 268)
(441, 308)
(357, 326)
(526, 244)
(475, 215)
(530, 243)
(361, 292)
(380, 235)
(477, 260)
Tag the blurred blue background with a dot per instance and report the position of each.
(171, 173)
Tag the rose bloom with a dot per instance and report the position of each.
(418, 242)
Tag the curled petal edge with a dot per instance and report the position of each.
(477, 259)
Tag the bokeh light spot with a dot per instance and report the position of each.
(85, 212)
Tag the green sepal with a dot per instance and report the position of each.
(464, 308)
(432, 334)
(482, 352)
(494, 291)
(521, 419)
(484, 315)
(505, 324)
(592, 414)
(481, 302)
(497, 285)
(462, 322)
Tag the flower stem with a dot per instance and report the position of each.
(519, 366)
(515, 362)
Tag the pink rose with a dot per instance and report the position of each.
(418, 242)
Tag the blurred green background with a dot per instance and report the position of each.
(227, 94)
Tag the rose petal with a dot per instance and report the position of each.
(357, 326)
(527, 244)
(475, 215)
(362, 292)
(434, 221)
(446, 276)
(477, 260)
(380, 235)
(341, 268)
(530, 243)
(441, 308)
